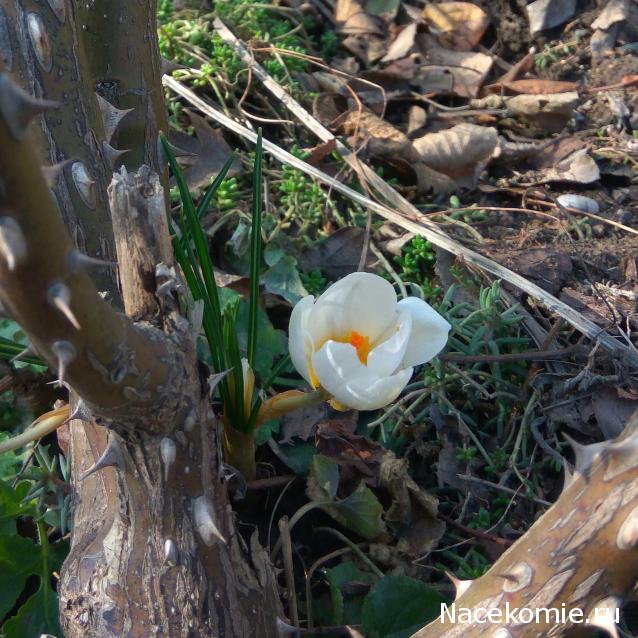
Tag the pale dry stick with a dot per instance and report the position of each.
(284, 530)
(410, 221)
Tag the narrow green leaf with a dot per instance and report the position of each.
(204, 203)
(255, 252)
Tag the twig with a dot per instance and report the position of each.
(502, 488)
(409, 219)
(286, 546)
(476, 533)
(529, 355)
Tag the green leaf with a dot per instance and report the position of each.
(12, 505)
(10, 462)
(19, 558)
(255, 256)
(266, 430)
(337, 577)
(283, 279)
(298, 457)
(360, 512)
(326, 473)
(37, 616)
(398, 606)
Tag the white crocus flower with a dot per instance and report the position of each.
(358, 344)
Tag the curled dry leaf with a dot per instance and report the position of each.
(444, 71)
(548, 112)
(614, 11)
(459, 25)
(402, 44)
(461, 153)
(547, 14)
(579, 168)
(383, 139)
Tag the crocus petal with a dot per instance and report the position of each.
(361, 302)
(429, 331)
(386, 357)
(299, 344)
(353, 384)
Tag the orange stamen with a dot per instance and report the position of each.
(362, 345)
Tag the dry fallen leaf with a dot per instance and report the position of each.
(207, 153)
(461, 153)
(579, 167)
(546, 14)
(444, 71)
(382, 138)
(402, 44)
(538, 86)
(548, 112)
(459, 25)
(614, 11)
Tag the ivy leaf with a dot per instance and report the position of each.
(398, 606)
(283, 279)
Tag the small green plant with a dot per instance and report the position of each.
(469, 215)
(314, 281)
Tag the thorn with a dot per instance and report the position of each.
(285, 630)
(40, 41)
(18, 108)
(51, 173)
(205, 522)
(168, 452)
(461, 586)
(568, 474)
(64, 352)
(79, 262)
(168, 66)
(604, 615)
(81, 412)
(25, 353)
(59, 295)
(84, 184)
(113, 155)
(111, 116)
(13, 245)
(214, 380)
(111, 457)
(170, 551)
(584, 455)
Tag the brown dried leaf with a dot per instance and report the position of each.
(548, 112)
(444, 71)
(539, 86)
(209, 153)
(460, 25)
(345, 9)
(402, 44)
(383, 139)
(461, 153)
(413, 512)
(579, 168)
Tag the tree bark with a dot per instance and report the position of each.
(154, 548)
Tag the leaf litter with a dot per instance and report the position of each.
(508, 127)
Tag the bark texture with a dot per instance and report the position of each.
(154, 549)
(581, 555)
